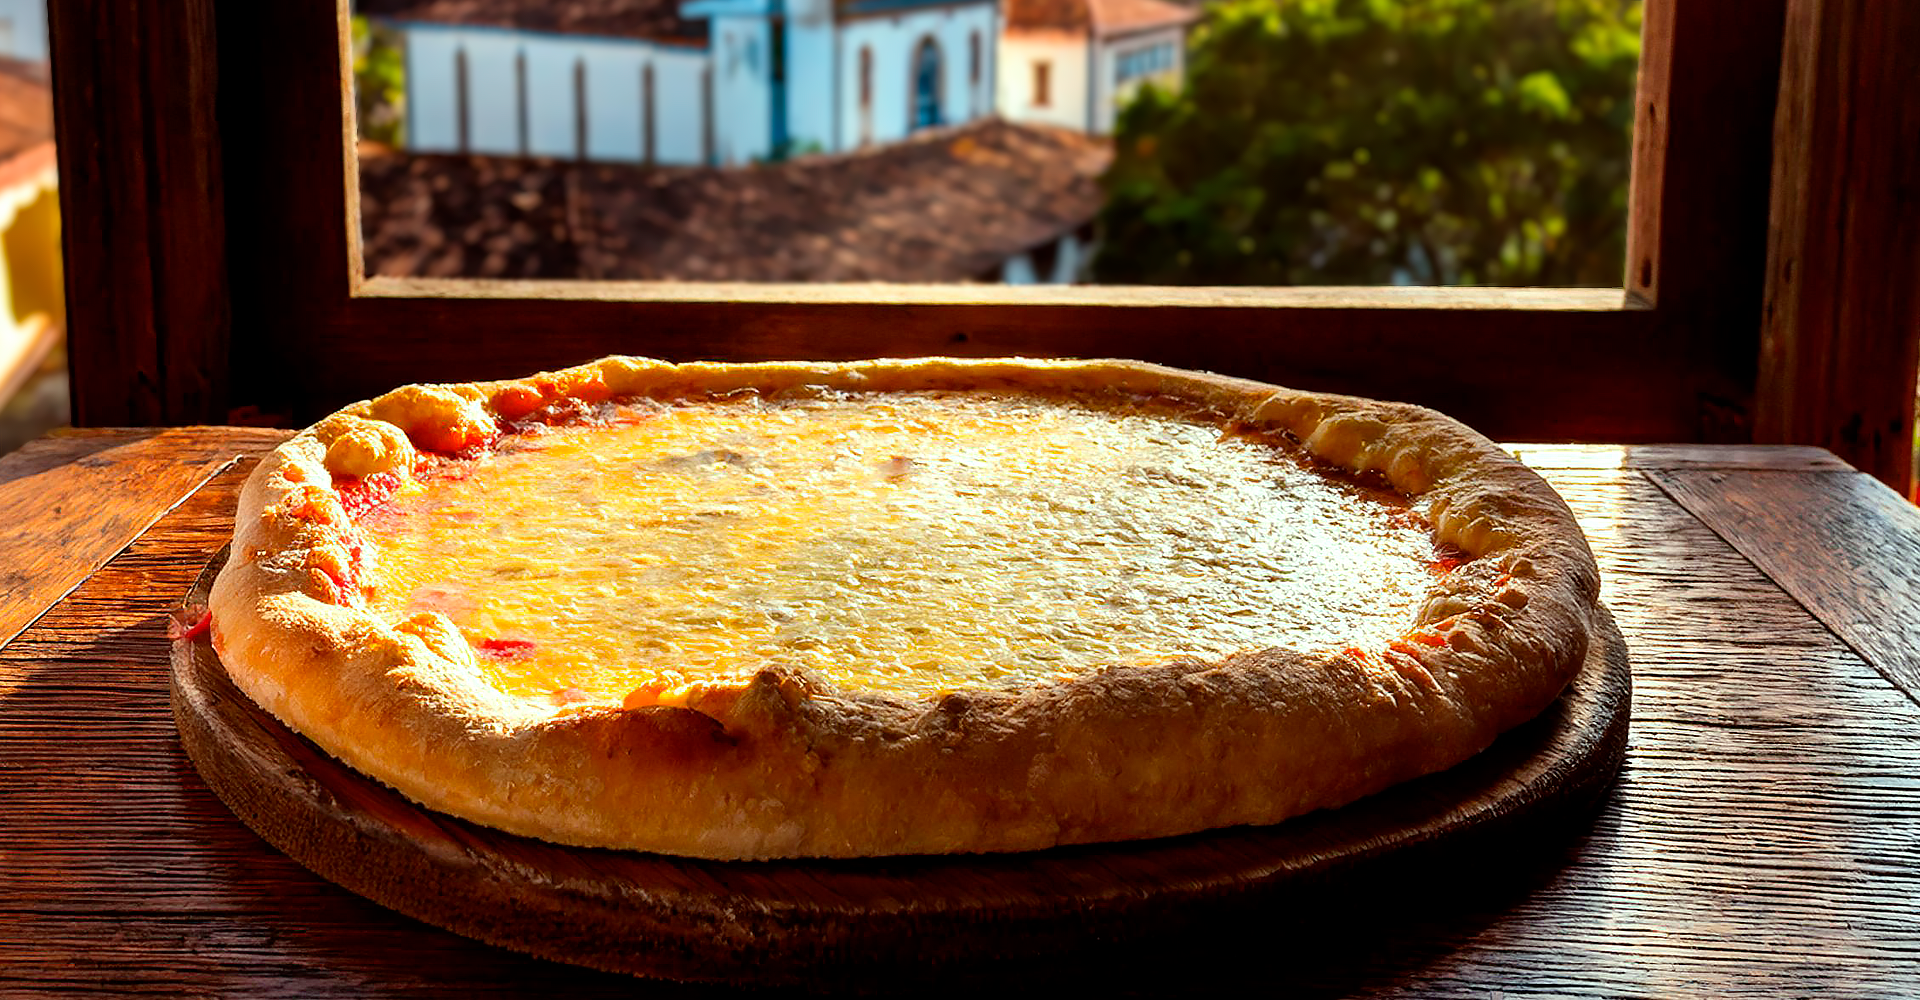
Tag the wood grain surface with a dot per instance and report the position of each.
(61, 524)
(1761, 843)
(840, 923)
(1846, 546)
(56, 450)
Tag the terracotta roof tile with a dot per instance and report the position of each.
(950, 205)
(1116, 17)
(1108, 17)
(657, 19)
(1047, 15)
(26, 106)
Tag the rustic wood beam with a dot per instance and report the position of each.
(1701, 138)
(1840, 340)
(140, 200)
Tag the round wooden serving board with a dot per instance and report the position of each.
(826, 921)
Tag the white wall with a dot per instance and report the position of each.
(432, 108)
(614, 112)
(811, 42)
(493, 94)
(819, 113)
(553, 127)
(741, 51)
(894, 39)
(1070, 259)
(681, 116)
(1018, 270)
(1110, 93)
(1067, 86)
(25, 29)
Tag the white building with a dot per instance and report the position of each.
(505, 92)
(835, 75)
(1006, 191)
(23, 29)
(1074, 63)
(720, 82)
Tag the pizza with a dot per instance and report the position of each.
(779, 610)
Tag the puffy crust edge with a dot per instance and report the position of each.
(788, 766)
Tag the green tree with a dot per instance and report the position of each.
(1382, 141)
(379, 81)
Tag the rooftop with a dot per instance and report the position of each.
(1104, 17)
(26, 120)
(657, 19)
(26, 106)
(947, 205)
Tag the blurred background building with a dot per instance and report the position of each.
(755, 140)
(33, 374)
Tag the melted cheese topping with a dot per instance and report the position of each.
(913, 542)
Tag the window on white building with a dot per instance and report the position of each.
(926, 84)
(1144, 62)
(1042, 92)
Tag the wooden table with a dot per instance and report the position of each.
(1764, 839)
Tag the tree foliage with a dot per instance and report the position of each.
(379, 81)
(1382, 141)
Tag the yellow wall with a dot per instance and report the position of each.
(30, 250)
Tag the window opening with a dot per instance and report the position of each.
(1489, 146)
(926, 85)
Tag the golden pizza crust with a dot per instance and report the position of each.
(788, 766)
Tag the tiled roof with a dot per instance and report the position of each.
(858, 7)
(1047, 15)
(26, 106)
(1118, 17)
(658, 19)
(950, 205)
(1106, 17)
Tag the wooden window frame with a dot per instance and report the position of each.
(211, 268)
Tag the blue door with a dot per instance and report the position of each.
(926, 85)
(777, 76)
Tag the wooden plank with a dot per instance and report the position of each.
(1760, 846)
(1574, 375)
(59, 525)
(51, 452)
(69, 444)
(292, 195)
(1479, 299)
(1702, 130)
(1841, 336)
(1679, 456)
(143, 231)
(1696, 226)
(1844, 545)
